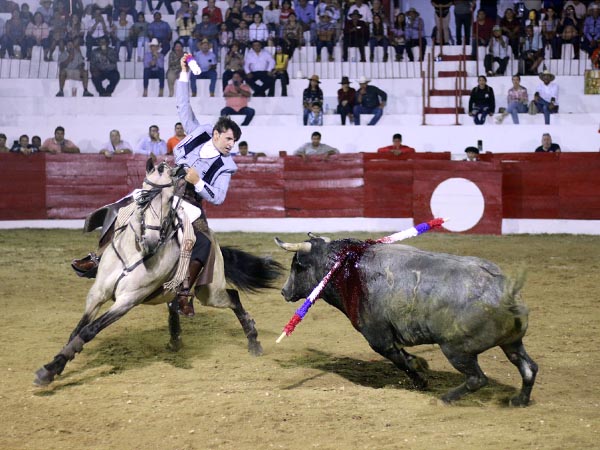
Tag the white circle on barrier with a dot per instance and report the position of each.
(459, 200)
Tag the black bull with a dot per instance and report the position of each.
(397, 296)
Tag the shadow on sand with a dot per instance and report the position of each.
(382, 374)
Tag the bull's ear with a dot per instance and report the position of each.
(149, 166)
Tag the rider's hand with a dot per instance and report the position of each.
(192, 176)
(182, 61)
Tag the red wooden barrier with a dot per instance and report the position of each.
(23, 183)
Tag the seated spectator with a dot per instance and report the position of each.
(442, 21)
(311, 94)
(58, 30)
(305, 13)
(363, 9)
(139, 35)
(71, 66)
(250, 9)
(271, 17)
(482, 102)
(103, 66)
(209, 31)
(241, 35)
(152, 145)
(185, 27)
(214, 12)
(511, 28)
(472, 154)
(161, 31)
(167, 3)
(545, 98)
(315, 116)
(292, 34)
(116, 145)
(244, 151)
(532, 52)
(258, 30)
(482, 32)
(326, 37)
(234, 62)
(396, 148)
(36, 34)
(415, 34)
(497, 52)
(207, 61)
(346, 96)
(3, 147)
(369, 100)
(237, 94)
(174, 68)
(398, 35)
(36, 142)
(378, 37)
(548, 145)
(23, 146)
(517, 101)
(14, 34)
(280, 72)
(174, 140)
(315, 147)
(549, 32)
(58, 144)
(356, 34)
(591, 30)
(225, 36)
(259, 65)
(121, 34)
(97, 31)
(568, 31)
(46, 10)
(154, 67)
(233, 15)
(124, 6)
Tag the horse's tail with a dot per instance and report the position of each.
(248, 272)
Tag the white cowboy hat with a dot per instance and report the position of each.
(363, 80)
(154, 41)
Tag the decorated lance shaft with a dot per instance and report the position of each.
(312, 298)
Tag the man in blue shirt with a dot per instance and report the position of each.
(160, 30)
(207, 61)
(369, 100)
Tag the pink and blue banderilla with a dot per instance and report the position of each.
(310, 300)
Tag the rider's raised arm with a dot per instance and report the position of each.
(184, 109)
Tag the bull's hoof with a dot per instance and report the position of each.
(254, 348)
(175, 345)
(418, 364)
(518, 401)
(43, 377)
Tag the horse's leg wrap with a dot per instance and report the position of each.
(73, 347)
(247, 323)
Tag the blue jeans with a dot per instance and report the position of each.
(544, 107)
(158, 74)
(358, 110)
(514, 108)
(481, 113)
(245, 111)
(208, 75)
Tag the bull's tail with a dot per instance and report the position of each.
(248, 272)
(513, 303)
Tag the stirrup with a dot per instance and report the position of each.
(185, 303)
(86, 267)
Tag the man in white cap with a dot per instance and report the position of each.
(546, 96)
(497, 52)
(369, 100)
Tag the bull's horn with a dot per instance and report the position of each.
(316, 236)
(296, 247)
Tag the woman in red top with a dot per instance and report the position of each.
(346, 96)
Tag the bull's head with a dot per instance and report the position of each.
(308, 266)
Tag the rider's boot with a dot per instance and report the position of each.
(185, 297)
(87, 266)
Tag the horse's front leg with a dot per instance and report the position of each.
(45, 374)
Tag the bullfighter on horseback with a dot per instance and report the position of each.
(209, 167)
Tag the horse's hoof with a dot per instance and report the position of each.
(43, 377)
(518, 401)
(175, 345)
(255, 349)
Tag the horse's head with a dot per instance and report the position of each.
(155, 205)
